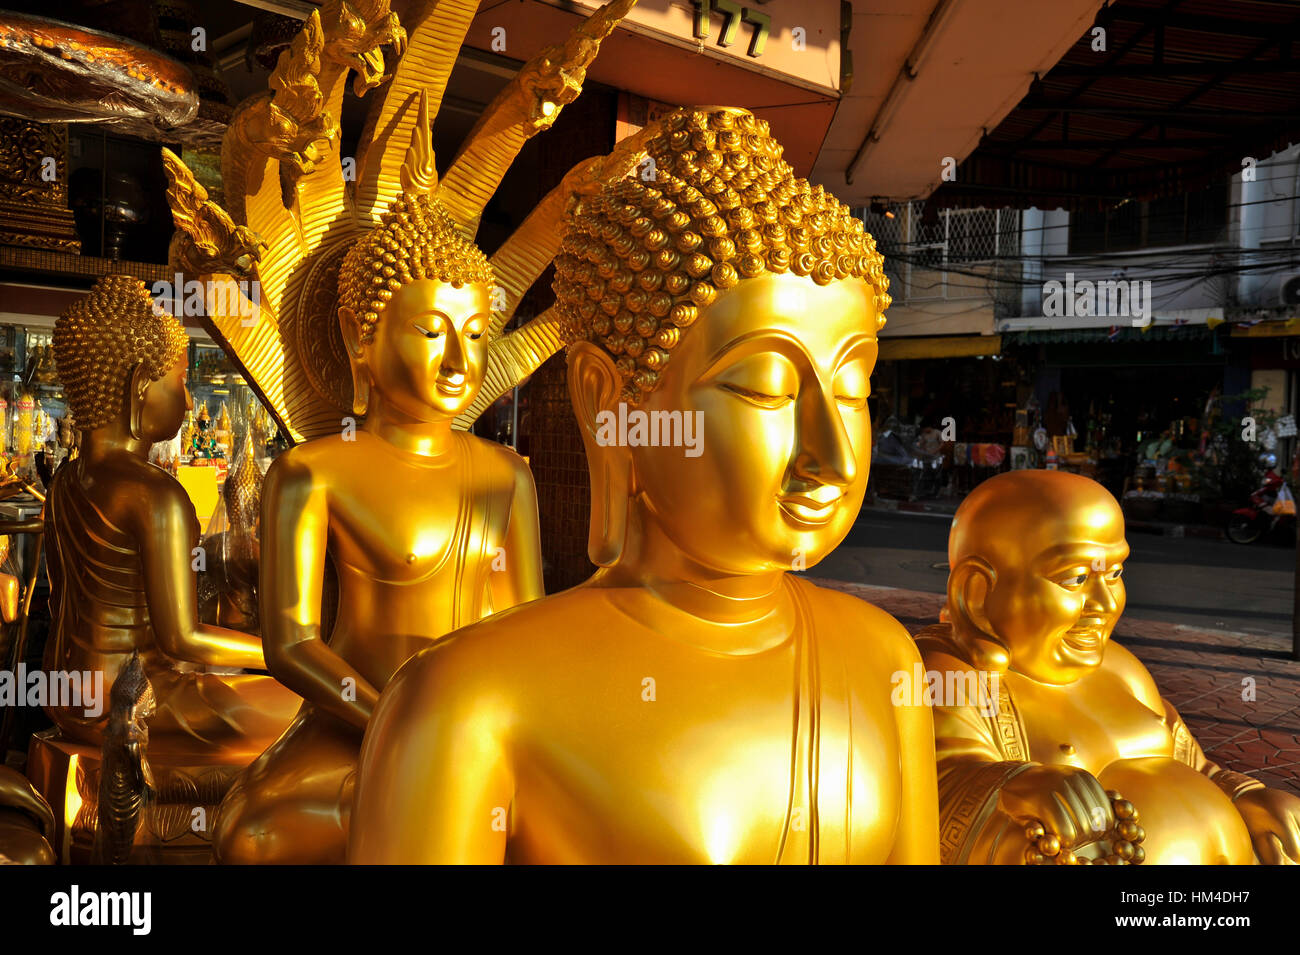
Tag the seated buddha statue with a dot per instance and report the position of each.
(203, 443)
(1034, 592)
(426, 527)
(693, 701)
(121, 534)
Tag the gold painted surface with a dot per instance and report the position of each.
(425, 527)
(26, 822)
(1034, 594)
(298, 227)
(121, 534)
(693, 701)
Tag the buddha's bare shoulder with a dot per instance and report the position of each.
(1120, 663)
(320, 464)
(872, 635)
(519, 642)
(161, 490)
(320, 453)
(506, 463)
(496, 453)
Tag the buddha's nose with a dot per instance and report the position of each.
(453, 358)
(825, 452)
(1100, 598)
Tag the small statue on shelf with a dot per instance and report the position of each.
(187, 433)
(24, 415)
(223, 433)
(203, 443)
(69, 438)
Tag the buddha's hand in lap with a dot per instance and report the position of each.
(1273, 820)
(1066, 800)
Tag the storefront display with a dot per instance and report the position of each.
(289, 528)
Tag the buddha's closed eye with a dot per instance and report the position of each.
(753, 396)
(767, 381)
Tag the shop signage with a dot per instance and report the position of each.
(733, 16)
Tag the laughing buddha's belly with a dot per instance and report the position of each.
(1187, 818)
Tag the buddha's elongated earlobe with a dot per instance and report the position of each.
(138, 385)
(351, 330)
(360, 390)
(594, 383)
(969, 584)
(608, 532)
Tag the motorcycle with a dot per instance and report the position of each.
(1248, 524)
(902, 466)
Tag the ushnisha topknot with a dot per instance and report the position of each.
(98, 340)
(415, 239)
(641, 258)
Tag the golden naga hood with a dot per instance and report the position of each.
(294, 213)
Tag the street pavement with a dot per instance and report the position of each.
(1210, 619)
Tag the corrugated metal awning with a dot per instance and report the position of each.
(1158, 98)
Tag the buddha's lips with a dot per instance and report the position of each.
(452, 385)
(1085, 638)
(808, 509)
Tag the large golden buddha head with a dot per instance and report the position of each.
(766, 294)
(121, 356)
(414, 308)
(1036, 559)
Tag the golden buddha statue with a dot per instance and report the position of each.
(223, 434)
(228, 594)
(121, 534)
(709, 706)
(406, 523)
(1034, 592)
(187, 432)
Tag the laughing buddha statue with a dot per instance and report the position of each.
(1080, 741)
(121, 535)
(693, 701)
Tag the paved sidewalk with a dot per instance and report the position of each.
(1203, 673)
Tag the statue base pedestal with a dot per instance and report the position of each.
(175, 828)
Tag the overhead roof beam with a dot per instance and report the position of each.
(1131, 142)
(1209, 121)
(1192, 22)
(1213, 68)
(1105, 14)
(1209, 84)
